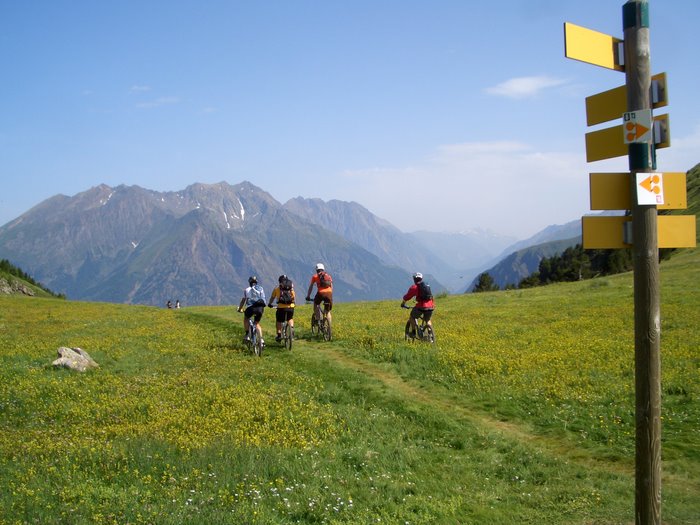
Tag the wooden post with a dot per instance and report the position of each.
(647, 311)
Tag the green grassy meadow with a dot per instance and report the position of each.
(523, 412)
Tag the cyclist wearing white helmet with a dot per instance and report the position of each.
(254, 301)
(324, 289)
(424, 301)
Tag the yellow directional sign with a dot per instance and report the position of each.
(605, 144)
(592, 47)
(677, 231)
(611, 104)
(675, 193)
(674, 231)
(609, 143)
(612, 191)
(601, 233)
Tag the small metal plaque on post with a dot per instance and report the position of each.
(627, 236)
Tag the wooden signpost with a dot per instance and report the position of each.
(641, 192)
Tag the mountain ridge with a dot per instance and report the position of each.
(128, 244)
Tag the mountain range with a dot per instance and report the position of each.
(199, 245)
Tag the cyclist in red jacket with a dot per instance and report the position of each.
(424, 301)
(324, 291)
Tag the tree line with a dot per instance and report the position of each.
(574, 264)
(9, 268)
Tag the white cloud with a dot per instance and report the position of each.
(158, 102)
(682, 155)
(507, 187)
(139, 89)
(525, 87)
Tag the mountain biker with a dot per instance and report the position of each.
(285, 295)
(324, 290)
(254, 301)
(424, 302)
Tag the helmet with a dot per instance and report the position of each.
(417, 277)
(252, 280)
(282, 278)
(320, 267)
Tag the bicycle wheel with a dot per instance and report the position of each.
(253, 338)
(429, 334)
(314, 325)
(249, 341)
(326, 328)
(408, 333)
(257, 344)
(288, 336)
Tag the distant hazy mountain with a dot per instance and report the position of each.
(199, 245)
(555, 232)
(358, 225)
(521, 259)
(464, 252)
(444, 256)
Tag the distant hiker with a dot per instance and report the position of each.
(285, 295)
(424, 301)
(177, 304)
(169, 304)
(324, 291)
(254, 301)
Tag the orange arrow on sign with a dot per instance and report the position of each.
(634, 130)
(651, 184)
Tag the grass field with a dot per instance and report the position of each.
(522, 413)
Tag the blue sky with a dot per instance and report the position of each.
(444, 115)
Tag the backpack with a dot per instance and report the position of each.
(285, 292)
(325, 279)
(256, 296)
(424, 292)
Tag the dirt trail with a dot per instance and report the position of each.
(444, 402)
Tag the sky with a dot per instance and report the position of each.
(440, 115)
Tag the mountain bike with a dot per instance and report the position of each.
(287, 333)
(254, 342)
(424, 331)
(324, 328)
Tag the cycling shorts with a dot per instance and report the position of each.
(284, 314)
(425, 313)
(254, 311)
(325, 297)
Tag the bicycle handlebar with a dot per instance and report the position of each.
(405, 307)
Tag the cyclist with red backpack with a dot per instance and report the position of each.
(284, 293)
(324, 290)
(424, 301)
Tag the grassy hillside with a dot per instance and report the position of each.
(523, 412)
(13, 285)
